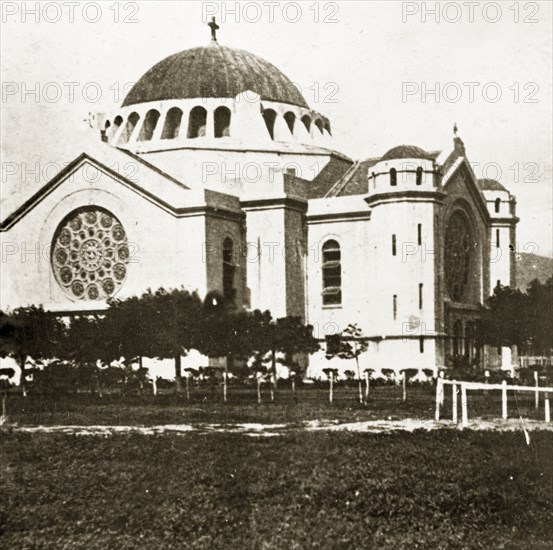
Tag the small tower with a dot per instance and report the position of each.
(404, 194)
(502, 209)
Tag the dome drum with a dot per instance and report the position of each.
(160, 124)
(407, 174)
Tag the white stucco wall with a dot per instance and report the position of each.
(165, 250)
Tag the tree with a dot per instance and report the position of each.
(231, 333)
(30, 332)
(351, 345)
(525, 319)
(163, 324)
(291, 337)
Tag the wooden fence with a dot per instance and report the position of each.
(466, 386)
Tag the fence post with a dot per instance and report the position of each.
(454, 402)
(331, 393)
(258, 381)
(547, 410)
(404, 387)
(367, 385)
(537, 396)
(439, 384)
(464, 409)
(504, 400)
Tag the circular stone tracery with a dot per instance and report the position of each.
(90, 254)
(458, 255)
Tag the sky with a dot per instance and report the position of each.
(385, 73)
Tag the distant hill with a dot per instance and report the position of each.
(530, 267)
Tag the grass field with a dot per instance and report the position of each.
(206, 405)
(422, 490)
(441, 489)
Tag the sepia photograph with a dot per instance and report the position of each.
(276, 275)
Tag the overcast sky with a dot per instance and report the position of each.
(363, 64)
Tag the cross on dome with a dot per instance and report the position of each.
(214, 28)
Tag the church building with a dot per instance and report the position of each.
(214, 174)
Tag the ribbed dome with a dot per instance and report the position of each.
(407, 152)
(213, 71)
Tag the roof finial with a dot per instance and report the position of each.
(455, 129)
(214, 29)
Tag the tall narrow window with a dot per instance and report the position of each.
(420, 295)
(228, 269)
(197, 123)
(497, 242)
(332, 273)
(117, 121)
(270, 116)
(497, 205)
(394, 245)
(394, 307)
(222, 122)
(421, 344)
(393, 176)
(172, 124)
(419, 233)
(150, 123)
(306, 122)
(319, 125)
(419, 175)
(130, 125)
(290, 119)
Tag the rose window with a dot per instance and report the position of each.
(458, 255)
(90, 254)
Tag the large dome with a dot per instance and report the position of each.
(213, 72)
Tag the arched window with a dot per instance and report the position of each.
(222, 122)
(393, 176)
(172, 124)
(327, 126)
(112, 129)
(150, 123)
(130, 125)
(306, 122)
(497, 205)
(332, 273)
(270, 116)
(290, 119)
(419, 175)
(229, 269)
(319, 125)
(197, 122)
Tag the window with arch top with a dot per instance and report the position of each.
(393, 176)
(497, 205)
(290, 119)
(269, 115)
(222, 122)
(332, 273)
(419, 175)
(197, 123)
(172, 123)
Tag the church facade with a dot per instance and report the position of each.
(232, 184)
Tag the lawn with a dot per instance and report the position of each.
(206, 405)
(442, 489)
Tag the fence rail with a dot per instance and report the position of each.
(464, 386)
